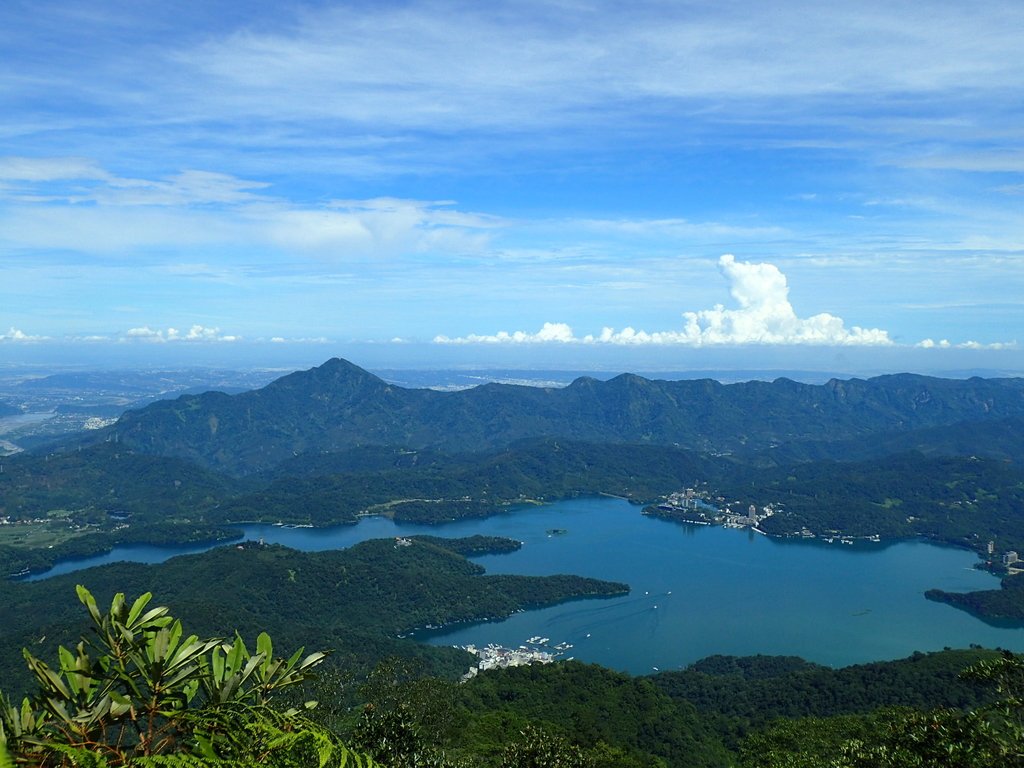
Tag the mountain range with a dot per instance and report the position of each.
(338, 405)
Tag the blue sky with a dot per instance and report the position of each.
(663, 184)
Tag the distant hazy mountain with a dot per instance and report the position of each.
(339, 405)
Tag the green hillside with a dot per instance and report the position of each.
(356, 601)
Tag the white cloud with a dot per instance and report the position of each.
(994, 345)
(982, 162)
(1011, 189)
(145, 333)
(673, 228)
(16, 335)
(379, 227)
(550, 332)
(764, 316)
(469, 66)
(190, 187)
(62, 203)
(197, 333)
(41, 169)
(945, 344)
(444, 64)
(94, 184)
(294, 340)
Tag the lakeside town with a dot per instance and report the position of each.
(698, 508)
(537, 650)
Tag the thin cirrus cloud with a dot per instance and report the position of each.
(76, 205)
(546, 63)
(25, 178)
(764, 315)
(384, 76)
(42, 169)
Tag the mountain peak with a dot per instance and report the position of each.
(337, 374)
(339, 364)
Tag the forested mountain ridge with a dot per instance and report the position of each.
(339, 405)
(1001, 438)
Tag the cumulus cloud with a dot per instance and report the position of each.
(550, 332)
(945, 344)
(764, 315)
(15, 335)
(196, 333)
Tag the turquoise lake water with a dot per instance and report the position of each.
(696, 590)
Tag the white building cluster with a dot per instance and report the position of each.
(494, 656)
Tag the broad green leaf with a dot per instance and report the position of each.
(28, 716)
(140, 603)
(312, 660)
(236, 655)
(265, 645)
(155, 617)
(117, 606)
(46, 677)
(217, 664)
(119, 704)
(89, 602)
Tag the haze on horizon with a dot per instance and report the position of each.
(658, 186)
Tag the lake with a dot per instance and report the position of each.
(696, 590)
